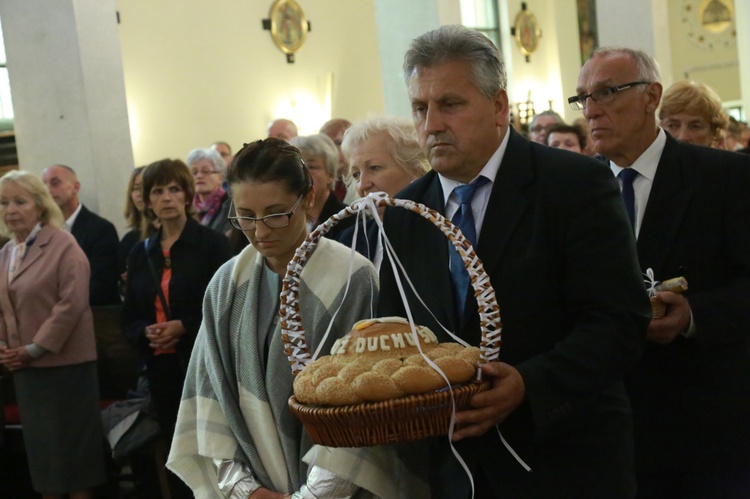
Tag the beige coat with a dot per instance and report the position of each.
(47, 302)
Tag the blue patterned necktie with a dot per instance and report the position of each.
(627, 175)
(464, 220)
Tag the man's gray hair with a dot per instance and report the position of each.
(456, 42)
(558, 119)
(648, 68)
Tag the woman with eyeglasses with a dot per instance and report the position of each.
(235, 434)
(211, 201)
(322, 160)
(166, 278)
(540, 123)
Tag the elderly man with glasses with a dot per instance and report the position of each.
(690, 213)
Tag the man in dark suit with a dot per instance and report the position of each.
(96, 236)
(691, 390)
(555, 242)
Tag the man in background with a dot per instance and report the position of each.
(282, 129)
(224, 149)
(689, 210)
(335, 129)
(96, 236)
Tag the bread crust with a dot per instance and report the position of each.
(380, 360)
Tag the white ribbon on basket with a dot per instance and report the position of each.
(360, 207)
(316, 354)
(651, 281)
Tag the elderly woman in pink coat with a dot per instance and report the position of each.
(47, 341)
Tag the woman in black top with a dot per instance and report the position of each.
(167, 276)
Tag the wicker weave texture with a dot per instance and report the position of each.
(403, 419)
(380, 423)
(296, 347)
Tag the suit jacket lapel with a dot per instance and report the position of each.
(9, 318)
(4, 264)
(373, 232)
(507, 203)
(34, 251)
(367, 239)
(667, 204)
(441, 287)
(77, 229)
(433, 198)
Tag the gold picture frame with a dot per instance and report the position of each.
(526, 31)
(288, 25)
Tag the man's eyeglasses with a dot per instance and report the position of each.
(276, 221)
(601, 96)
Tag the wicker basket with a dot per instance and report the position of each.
(404, 419)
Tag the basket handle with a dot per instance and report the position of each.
(295, 344)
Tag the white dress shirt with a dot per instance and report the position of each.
(645, 165)
(68, 226)
(482, 194)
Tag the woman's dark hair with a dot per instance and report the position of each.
(270, 160)
(563, 128)
(163, 172)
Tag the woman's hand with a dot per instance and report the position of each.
(14, 358)
(164, 335)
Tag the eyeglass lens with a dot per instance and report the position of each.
(202, 172)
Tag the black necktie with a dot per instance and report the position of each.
(627, 175)
(464, 219)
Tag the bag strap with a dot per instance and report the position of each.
(157, 280)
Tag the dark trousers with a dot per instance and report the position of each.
(166, 377)
(733, 484)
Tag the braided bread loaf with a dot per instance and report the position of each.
(379, 360)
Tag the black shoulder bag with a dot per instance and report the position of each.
(157, 280)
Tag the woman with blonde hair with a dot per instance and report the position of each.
(384, 156)
(47, 340)
(134, 218)
(691, 112)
